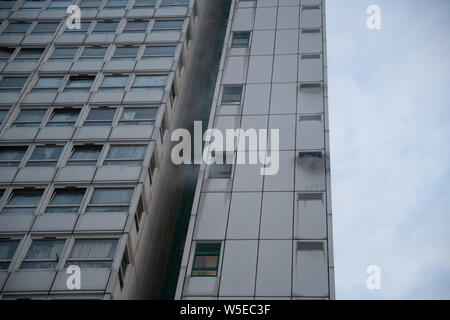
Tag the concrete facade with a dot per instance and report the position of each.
(267, 237)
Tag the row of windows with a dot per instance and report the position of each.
(241, 39)
(90, 4)
(107, 26)
(84, 83)
(101, 116)
(80, 155)
(72, 54)
(46, 253)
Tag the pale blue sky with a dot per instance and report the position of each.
(389, 93)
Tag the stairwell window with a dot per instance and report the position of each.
(206, 259)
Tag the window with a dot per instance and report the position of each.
(63, 54)
(125, 53)
(48, 84)
(45, 28)
(43, 254)
(17, 28)
(114, 82)
(159, 52)
(45, 156)
(123, 267)
(168, 25)
(137, 26)
(166, 3)
(5, 53)
(29, 118)
(116, 4)
(92, 253)
(63, 117)
(92, 53)
(23, 201)
(84, 26)
(138, 116)
(79, 83)
(125, 155)
(33, 4)
(11, 156)
(149, 82)
(85, 155)
(66, 201)
(89, 4)
(220, 171)
(152, 167)
(144, 3)
(3, 114)
(110, 200)
(7, 250)
(59, 4)
(206, 259)
(7, 4)
(100, 117)
(240, 40)
(12, 84)
(106, 27)
(232, 95)
(138, 215)
(29, 54)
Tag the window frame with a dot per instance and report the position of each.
(17, 162)
(138, 162)
(29, 123)
(230, 101)
(56, 261)
(234, 39)
(19, 191)
(211, 253)
(8, 260)
(101, 122)
(66, 205)
(73, 260)
(52, 162)
(127, 206)
(94, 162)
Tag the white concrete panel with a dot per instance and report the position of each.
(285, 68)
(288, 17)
(235, 70)
(262, 42)
(283, 98)
(260, 69)
(212, 216)
(265, 18)
(283, 180)
(310, 132)
(286, 126)
(277, 212)
(243, 19)
(257, 97)
(286, 41)
(243, 221)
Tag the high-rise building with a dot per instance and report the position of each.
(256, 236)
(92, 205)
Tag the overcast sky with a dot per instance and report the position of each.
(389, 94)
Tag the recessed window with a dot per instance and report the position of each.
(17, 28)
(66, 201)
(206, 259)
(113, 83)
(159, 52)
(125, 53)
(45, 28)
(168, 25)
(93, 53)
(116, 4)
(240, 40)
(232, 94)
(43, 254)
(84, 26)
(100, 117)
(79, 83)
(5, 53)
(12, 84)
(63, 54)
(48, 84)
(63, 117)
(45, 156)
(138, 116)
(110, 200)
(123, 267)
(11, 156)
(7, 4)
(125, 155)
(136, 27)
(220, 171)
(84, 156)
(3, 113)
(59, 4)
(90, 4)
(144, 3)
(23, 202)
(29, 54)
(7, 250)
(149, 82)
(92, 253)
(29, 118)
(106, 27)
(33, 4)
(166, 3)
